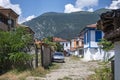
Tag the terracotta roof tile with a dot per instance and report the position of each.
(92, 25)
(56, 39)
(38, 42)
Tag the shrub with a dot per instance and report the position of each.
(40, 71)
(13, 46)
(103, 73)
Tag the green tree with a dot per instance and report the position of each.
(56, 45)
(106, 46)
(59, 47)
(49, 41)
(13, 47)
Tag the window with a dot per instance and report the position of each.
(85, 38)
(77, 43)
(88, 36)
(66, 44)
(98, 36)
(63, 44)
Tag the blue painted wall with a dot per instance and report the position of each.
(88, 36)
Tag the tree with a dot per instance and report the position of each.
(106, 46)
(49, 40)
(13, 47)
(57, 46)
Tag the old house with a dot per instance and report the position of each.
(63, 42)
(28, 30)
(92, 36)
(109, 23)
(76, 46)
(8, 19)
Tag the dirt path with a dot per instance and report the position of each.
(72, 70)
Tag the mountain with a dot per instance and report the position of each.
(102, 10)
(64, 25)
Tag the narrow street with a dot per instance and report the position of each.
(72, 70)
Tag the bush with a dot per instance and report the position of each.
(13, 48)
(40, 71)
(103, 73)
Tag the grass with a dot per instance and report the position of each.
(76, 58)
(21, 75)
(40, 71)
(65, 78)
(54, 66)
(69, 78)
(13, 75)
(102, 73)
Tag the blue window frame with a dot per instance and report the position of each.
(88, 36)
(98, 36)
(85, 38)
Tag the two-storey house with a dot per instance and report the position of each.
(92, 49)
(63, 42)
(8, 19)
(91, 38)
(76, 46)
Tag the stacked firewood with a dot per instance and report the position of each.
(109, 23)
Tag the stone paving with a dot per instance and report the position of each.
(70, 70)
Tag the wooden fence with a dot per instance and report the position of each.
(46, 55)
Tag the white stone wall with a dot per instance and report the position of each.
(93, 54)
(97, 54)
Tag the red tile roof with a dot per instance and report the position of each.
(92, 25)
(56, 39)
(38, 41)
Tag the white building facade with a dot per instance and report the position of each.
(76, 45)
(92, 51)
(66, 45)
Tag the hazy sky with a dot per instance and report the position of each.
(28, 9)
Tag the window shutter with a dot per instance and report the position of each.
(98, 36)
(85, 38)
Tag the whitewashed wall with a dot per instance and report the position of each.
(93, 54)
(75, 53)
(72, 43)
(97, 54)
(66, 47)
